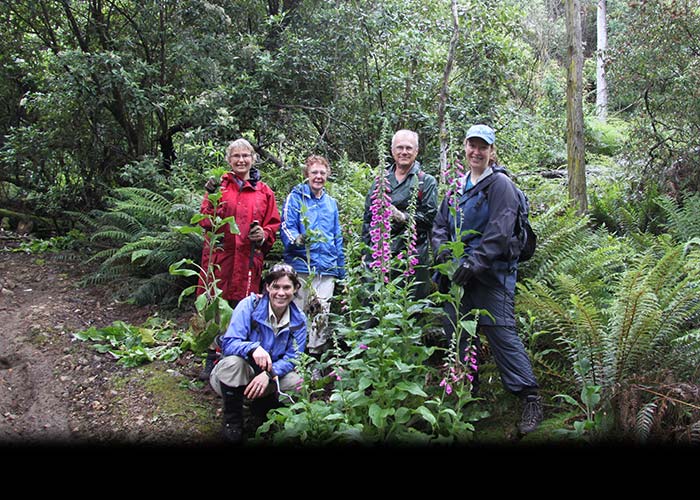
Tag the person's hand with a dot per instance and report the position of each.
(443, 257)
(463, 274)
(257, 387)
(256, 233)
(262, 359)
(397, 215)
(300, 240)
(211, 185)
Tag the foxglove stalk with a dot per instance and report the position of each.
(380, 227)
(453, 179)
(411, 252)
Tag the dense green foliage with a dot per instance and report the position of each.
(115, 112)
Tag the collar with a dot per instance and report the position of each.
(272, 319)
(415, 168)
(253, 178)
(466, 181)
(306, 191)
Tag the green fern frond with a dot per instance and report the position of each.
(102, 255)
(645, 420)
(655, 299)
(87, 221)
(623, 322)
(113, 234)
(682, 218)
(144, 195)
(162, 287)
(140, 228)
(122, 220)
(694, 433)
(107, 274)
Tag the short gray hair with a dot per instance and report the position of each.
(240, 144)
(410, 133)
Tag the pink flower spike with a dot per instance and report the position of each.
(363, 347)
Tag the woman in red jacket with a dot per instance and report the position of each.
(237, 259)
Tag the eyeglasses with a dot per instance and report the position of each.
(282, 267)
(314, 173)
(237, 156)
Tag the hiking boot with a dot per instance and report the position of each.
(213, 357)
(532, 414)
(233, 413)
(209, 362)
(259, 408)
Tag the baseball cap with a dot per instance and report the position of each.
(483, 132)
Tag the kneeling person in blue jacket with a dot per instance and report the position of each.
(260, 349)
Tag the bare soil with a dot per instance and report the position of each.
(57, 390)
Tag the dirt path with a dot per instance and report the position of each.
(58, 390)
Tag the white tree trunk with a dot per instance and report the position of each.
(601, 98)
(445, 91)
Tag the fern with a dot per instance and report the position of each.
(140, 239)
(645, 420)
(628, 321)
(682, 222)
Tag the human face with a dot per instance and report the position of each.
(281, 293)
(317, 174)
(240, 160)
(478, 153)
(404, 150)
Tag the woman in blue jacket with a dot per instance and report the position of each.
(260, 349)
(486, 211)
(313, 246)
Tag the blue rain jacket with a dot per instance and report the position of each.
(249, 329)
(321, 215)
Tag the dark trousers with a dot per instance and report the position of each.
(508, 350)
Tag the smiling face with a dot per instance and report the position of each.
(478, 153)
(317, 174)
(404, 149)
(281, 293)
(240, 160)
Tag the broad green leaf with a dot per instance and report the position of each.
(411, 387)
(426, 414)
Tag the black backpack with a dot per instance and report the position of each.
(523, 229)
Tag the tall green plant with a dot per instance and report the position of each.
(383, 387)
(214, 311)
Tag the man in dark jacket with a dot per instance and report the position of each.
(486, 211)
(406, 180)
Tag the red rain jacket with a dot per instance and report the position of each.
(246, 202)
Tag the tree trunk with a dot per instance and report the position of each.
(576, 164)
(445, 91)
(601, 97)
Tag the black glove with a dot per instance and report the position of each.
(463, 274)
(211, 185)
(443, 257)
